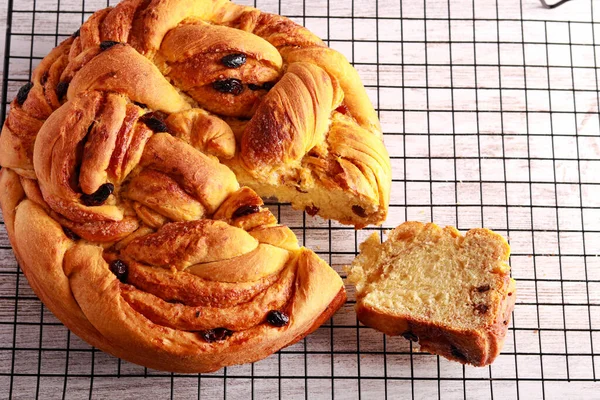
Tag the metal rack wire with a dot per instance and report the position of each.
(491, 117)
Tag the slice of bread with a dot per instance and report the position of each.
(450, 293)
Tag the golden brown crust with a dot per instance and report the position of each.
(291, 120)
(25, 120)
(99, 294)
(119, 205)
(204, 131)
(290, 87)
(86, 291)
(478, 345)
(479, 348)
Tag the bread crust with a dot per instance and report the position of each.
(75, 283)
(478, 346)
(121, 171)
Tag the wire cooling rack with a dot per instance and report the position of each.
(490, 113)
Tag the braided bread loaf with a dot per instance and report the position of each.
(122, 162)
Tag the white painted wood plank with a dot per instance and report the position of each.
(507, 208)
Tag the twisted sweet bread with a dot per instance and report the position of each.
(121, 161)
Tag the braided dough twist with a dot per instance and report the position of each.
(121, 162)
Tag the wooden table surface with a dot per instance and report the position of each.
(468, 123)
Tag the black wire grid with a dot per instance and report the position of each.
(490, 114)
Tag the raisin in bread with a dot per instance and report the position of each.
(263, 95)
(450, 293)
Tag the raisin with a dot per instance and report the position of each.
(510, 293)
(99, 196)
(358, 210)
(120, 269)
(312, 210)
(234, 60)
(217, 334)
(457, 353)
(277, 318)
(24, 92)
(233, 86)
(505, 322)
(107, 44)
(481, 308)
(254, 87)
(70, 234)
(61, 90)
(76, 33)
(408, 335)
(484, 288)
(197, 314)
(245, 210)
(155, 122)
(343, 109)
(268, 85)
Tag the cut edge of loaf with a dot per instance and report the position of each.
(477, 344)
(327, 202)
